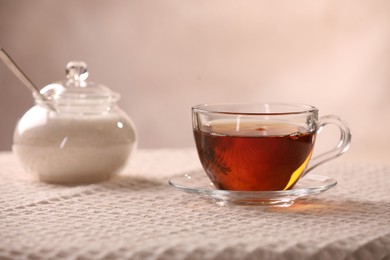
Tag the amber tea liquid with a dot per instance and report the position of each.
(254, 156)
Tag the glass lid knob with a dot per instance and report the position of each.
(76, 71)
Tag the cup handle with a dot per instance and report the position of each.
(342, 146)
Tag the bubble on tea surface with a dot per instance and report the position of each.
(295, 136)
(261, 130)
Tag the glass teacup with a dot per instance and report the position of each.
(261, 147)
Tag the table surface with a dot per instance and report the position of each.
(137, 215)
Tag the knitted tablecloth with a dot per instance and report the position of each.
(137, 215)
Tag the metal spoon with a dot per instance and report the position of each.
(26, 81)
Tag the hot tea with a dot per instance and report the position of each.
(254, 156)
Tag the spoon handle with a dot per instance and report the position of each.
(21, 76)
(17, 71)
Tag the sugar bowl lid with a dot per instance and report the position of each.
(76, 89)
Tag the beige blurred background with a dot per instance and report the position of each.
(165, 56)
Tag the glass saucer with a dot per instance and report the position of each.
(199, 184)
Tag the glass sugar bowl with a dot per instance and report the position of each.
(77, 135)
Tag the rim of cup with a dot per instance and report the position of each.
(255, 108)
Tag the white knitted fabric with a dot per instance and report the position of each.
(137, 215)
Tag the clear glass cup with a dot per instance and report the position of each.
(261, 147)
